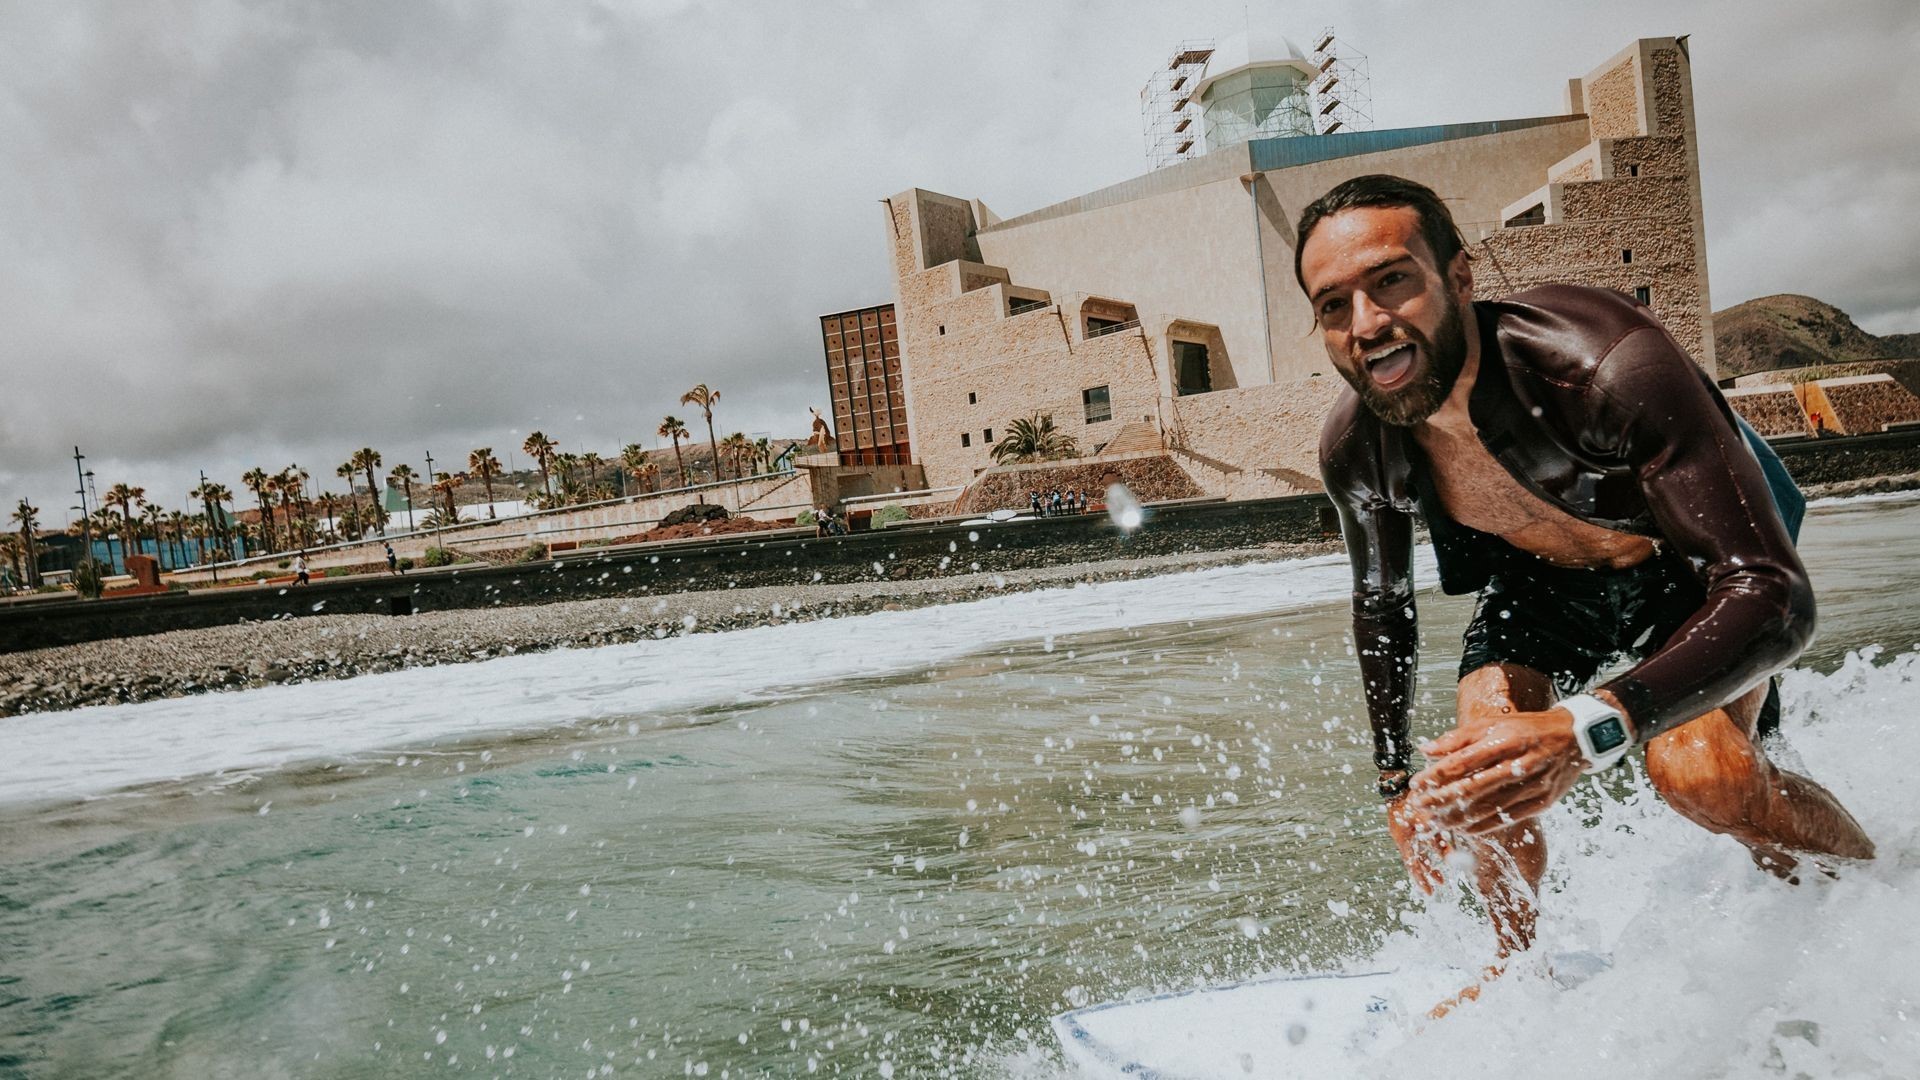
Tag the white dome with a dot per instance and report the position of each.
(1255, 47)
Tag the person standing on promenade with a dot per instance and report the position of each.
(300, 569)
(1578, 471)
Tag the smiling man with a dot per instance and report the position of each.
(1581, 474)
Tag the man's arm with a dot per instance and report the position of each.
(1710, 500)
(1379, 543)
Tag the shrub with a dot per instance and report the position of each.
(533, 552)
(88, 580)
(283, 563)
(437, 556)
(804, 517)
(336, 571)
(887, 515)
(405, 563)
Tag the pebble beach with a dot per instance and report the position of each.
(342, 646)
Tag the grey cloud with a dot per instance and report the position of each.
(253, 233)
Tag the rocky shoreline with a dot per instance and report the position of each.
(342, 646)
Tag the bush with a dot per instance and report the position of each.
(284, 563)
(337, 571)
(437, 556)
(533, 552)
(887, 515)
(405, 563)
(88, 581)
(804, 517)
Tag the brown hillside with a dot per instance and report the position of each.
(1792, 331)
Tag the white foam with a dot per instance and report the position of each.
(1718, 970)
(106, 748)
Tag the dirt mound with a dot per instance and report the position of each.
(718, 527)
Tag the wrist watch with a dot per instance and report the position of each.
(1601, 730)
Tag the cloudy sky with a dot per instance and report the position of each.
(259, 233)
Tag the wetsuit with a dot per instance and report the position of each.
(1583, 397)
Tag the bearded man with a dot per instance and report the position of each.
(1577, 470)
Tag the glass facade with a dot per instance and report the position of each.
(1257, 103)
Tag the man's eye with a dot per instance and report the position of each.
(1392, 277)
(1331, 306)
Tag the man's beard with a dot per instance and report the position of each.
(1446, 355)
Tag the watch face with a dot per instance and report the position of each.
(1607, 735)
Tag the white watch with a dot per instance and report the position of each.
(1601, 730)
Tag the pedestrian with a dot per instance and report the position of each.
(393, 561)
(300, 569)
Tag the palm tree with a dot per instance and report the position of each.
(540, 449)
(633, 458)
(483, 462)
(212, 496)
(1034, 439)
(706, 399)
(177, 521)
(672, 428)
(154, 516)
(737, 446)
(649, 475)
(27, 516)
(257, 480)
(106, 523)
(10, 550)
(368, 459)
(446, 485)
(763, 454)
(126, 496)
(404, 473)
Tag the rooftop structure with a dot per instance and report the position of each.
(1253, 85)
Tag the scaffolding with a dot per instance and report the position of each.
(1342, 91)
(1168, 111)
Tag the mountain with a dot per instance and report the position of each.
(1791, 331)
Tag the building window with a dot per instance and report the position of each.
(973, 398)
(1532, 215)
(1098, 403)
(986, 436)
(1633, 170)
(966, 439)
(1626, 255)
(1191, 368)
(943, 328)
(1097, 325)
(1643, 293)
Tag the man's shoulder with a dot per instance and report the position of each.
(1349, 445)
(1565, 331)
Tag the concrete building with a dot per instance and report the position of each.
(1161, 314)
(868, 390)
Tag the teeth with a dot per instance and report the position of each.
(1382, 353)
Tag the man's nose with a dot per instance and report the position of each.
(1369, 318)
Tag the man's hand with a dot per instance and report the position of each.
(1423, 847)
(1491, 772)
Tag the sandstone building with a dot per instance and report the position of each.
(1160, 315)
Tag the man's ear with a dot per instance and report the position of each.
(1460, 276)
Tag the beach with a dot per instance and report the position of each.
(342, 646)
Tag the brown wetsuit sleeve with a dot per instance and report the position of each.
(1386, 632)
(1709, 499)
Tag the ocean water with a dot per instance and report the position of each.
(894, 845)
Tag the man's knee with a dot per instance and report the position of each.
(1708, 770)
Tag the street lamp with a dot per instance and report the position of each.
(86, 525)
(436, 511)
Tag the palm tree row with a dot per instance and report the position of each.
(290, 516)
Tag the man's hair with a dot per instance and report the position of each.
(1381, 190)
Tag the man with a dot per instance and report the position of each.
(1576, 469)
(300, 569)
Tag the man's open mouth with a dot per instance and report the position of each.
(1390, 365)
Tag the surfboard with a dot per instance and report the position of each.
(1278, 1026)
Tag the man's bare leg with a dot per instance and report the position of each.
(1710, 770)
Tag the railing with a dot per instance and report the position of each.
(1021, 307)
(1130, 324)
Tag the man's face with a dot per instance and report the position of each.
(1390, 318)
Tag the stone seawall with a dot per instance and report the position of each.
(908, 551)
